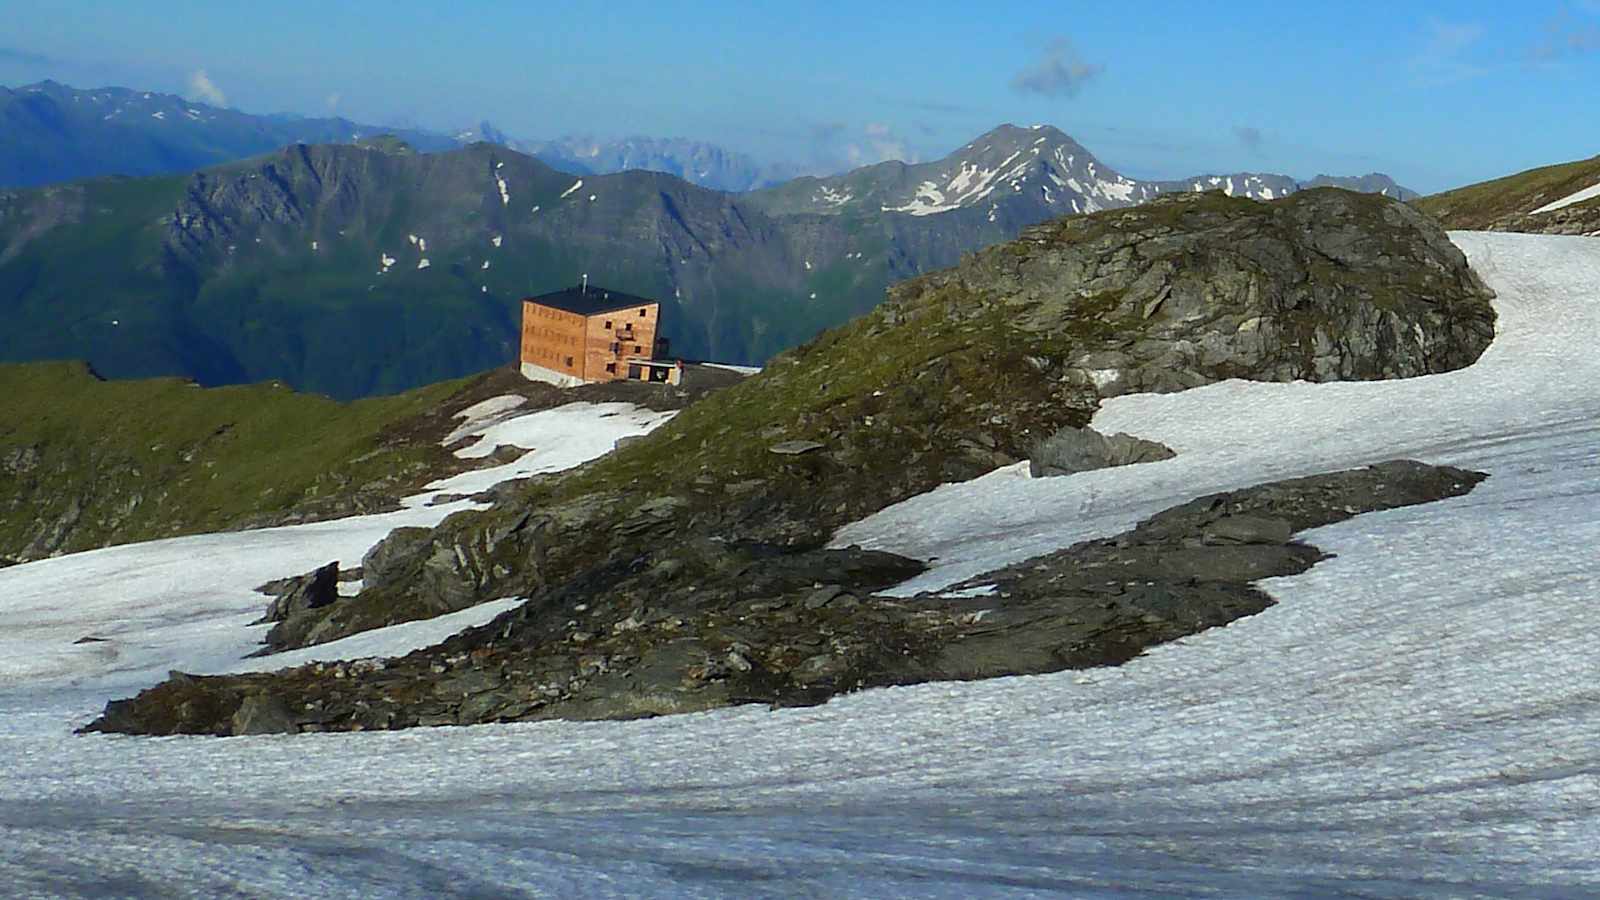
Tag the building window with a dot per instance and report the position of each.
(641, 313)
(569, 362)
(612, 368)
(637, 348)
(608, 324)
(633, 372)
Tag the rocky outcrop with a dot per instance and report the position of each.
(1073, 450)
(783, 629)
(962, 371)
(294, 608)
(1327, 285)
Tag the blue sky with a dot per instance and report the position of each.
(1436, 94)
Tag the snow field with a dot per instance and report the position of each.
(1415, 716)
(187, 603)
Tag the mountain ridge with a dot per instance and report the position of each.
(357, 270)
(1057, 174)
(54, 133)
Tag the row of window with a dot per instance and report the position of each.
(545, 312)
(550, 334)
(550, 357)
(627, 325)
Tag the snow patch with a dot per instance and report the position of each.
(482, 414)
(1588, 193)
(833, 197)
(571, 190)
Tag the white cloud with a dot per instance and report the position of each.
(1057, 73)
(883, 143)
(202, 88)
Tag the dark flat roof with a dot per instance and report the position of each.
(593, 301)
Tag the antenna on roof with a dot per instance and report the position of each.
(585, 288)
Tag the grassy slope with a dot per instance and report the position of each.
(1482, 206)
(146, 459)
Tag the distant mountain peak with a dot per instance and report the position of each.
(1013, 173)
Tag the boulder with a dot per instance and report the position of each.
(794, 448)
(1247, 530)
(313, 590)
(387, 559)
(263, 714)
(1072, 450)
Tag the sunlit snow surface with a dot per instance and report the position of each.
(1416, 716)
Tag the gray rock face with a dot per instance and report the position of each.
(1246, 530)
(386, 561)
(1327, 285)
(1072, 450)
(262, 714)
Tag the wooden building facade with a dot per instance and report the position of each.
(587, 334)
